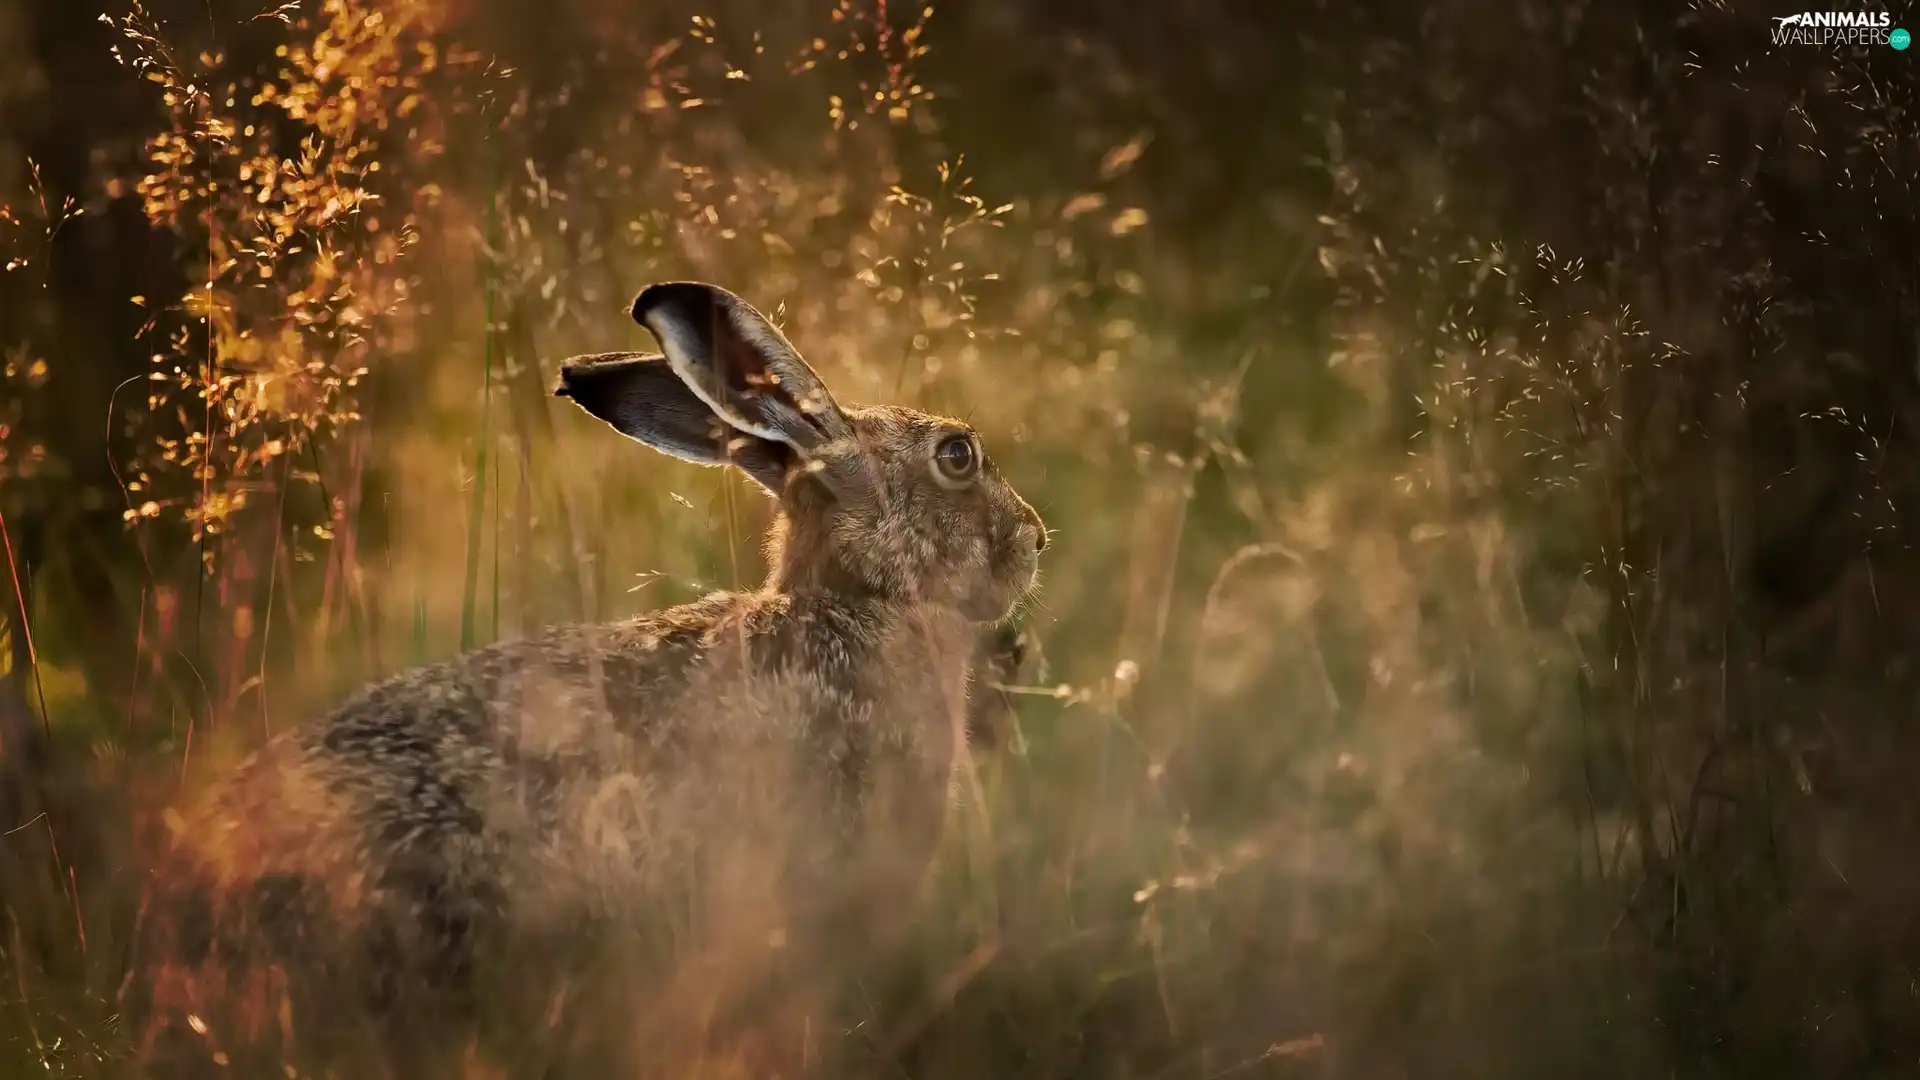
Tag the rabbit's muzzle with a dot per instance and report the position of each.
(1013, 568)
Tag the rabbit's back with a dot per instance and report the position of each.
(706, 773)
(571, 771)
(456, 768)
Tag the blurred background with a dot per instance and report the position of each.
(1478, 639)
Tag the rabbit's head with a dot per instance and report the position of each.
(879, 501)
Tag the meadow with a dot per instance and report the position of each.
(1478, 635)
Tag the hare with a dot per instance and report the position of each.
(759, 766)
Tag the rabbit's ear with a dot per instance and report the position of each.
(741, 365)
(644, 399)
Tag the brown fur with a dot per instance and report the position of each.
(750, 768)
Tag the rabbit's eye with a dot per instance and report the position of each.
(956, 458)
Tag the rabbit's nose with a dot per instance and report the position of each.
(1039, 526)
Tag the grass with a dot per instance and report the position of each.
(1473, 640)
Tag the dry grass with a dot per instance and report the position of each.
(1422, 691)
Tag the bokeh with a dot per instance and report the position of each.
(1477, 636)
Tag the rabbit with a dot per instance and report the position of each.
(776, 759)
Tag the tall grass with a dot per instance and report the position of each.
(1473, 642)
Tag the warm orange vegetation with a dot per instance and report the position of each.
(1477, 638)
